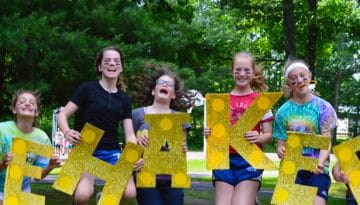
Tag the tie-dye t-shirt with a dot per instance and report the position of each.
(312, 117)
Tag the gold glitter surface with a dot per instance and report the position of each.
(286, 191)
(218, 120)
(118, 176)
(18, 168)
(81, 160)
(261, 105)
(349, 163)
(165, 128)
(223, 135)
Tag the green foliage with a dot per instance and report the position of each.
(51, 46)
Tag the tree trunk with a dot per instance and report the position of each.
(289, 29)
(312, 35)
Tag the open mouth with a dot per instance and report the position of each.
(163, 91)
(112, 70)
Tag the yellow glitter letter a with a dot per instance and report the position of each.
(165, 128)
(286, 191)
(81, 160)
(223, 135)
(19, 168)
(349, 161)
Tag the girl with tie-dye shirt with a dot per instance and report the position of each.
(305, 113)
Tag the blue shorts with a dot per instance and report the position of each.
(321, 181)
(160, 196)
(109, 156)
(240, 170)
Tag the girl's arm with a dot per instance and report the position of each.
(256, 137)
(324, 154)
(280, 148)
(129, 131)
(339, 175)
(184, 146)
(6, 160)
(54, 162)
(71, 135)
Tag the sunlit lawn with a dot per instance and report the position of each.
(53, 197)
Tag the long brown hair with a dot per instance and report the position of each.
(258, 82)
(121, 81)
(146, 82)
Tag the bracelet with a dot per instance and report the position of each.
(66, 132)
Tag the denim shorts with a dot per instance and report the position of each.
(240, 170)
(109, 156)
(321, 181)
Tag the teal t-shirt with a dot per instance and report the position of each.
(8, 131)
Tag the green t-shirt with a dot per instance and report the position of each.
(8, 131)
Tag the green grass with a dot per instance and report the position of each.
(54, 197)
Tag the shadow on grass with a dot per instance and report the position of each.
(201, 193)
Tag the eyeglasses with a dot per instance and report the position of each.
(165, 82)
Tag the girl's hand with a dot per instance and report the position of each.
(139, 165)
(185, 147)
(207, 132)
(72, 136)
(339, 175)
(7, 159)
(280, 150)
(253, 137)
(143, 140)
(319, 169)
(54, 162)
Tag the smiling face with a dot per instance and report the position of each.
(242, 72)
(111, 65)
(26, 105)
(298, 80)
(164, 89)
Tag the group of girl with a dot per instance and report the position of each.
(105, 104)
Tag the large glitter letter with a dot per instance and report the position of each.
(223, 135)
(165, 128)
(81, 160)
(347, 154)
(19, 168)
(286, 191)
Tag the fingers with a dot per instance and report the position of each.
(253, 137)
(207, 132)
(72, 136)
(8, 157)
(185, 147)
(319, 169)
(139, 165)
(280, 152)
(55, 161)
(143, 141)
